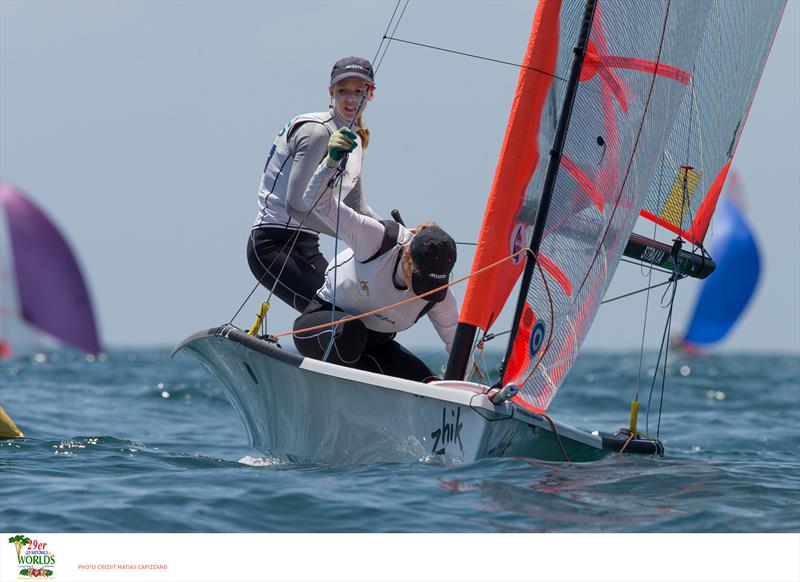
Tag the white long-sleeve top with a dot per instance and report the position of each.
(291, 162)
(364, 285)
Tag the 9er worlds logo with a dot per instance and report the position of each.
(34, 559)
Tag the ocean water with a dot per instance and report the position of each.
(137, 442)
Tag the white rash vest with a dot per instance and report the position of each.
(364, 282)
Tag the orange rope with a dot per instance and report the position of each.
(627, 442)
(409, 300)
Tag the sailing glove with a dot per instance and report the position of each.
(340, 143)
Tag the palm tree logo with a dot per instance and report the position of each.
(19, 541)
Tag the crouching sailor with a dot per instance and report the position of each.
(385, 264)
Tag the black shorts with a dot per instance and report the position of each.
(355, 345)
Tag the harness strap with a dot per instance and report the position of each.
(391, 232)
(304, 121)
(428, 306)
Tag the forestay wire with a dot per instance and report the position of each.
(377, 62)
(663, 350)
(479, 57)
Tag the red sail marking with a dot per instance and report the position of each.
(597, 62)
(705, 212)
(561, 364)
(703, 217)
(584, 181)
(486, 294)
(661, 222)
(556, 273)
(699, 228)
(660, 69)
(520, 356)
(593, 64)
(697, 232)
(525, 404)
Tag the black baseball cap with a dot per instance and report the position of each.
(434, 254)
(352, 67)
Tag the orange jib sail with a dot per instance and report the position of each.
(504, 230)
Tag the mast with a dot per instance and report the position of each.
(552, 172)
(459, 353)
(519, 155)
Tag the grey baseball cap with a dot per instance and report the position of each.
(352, 67)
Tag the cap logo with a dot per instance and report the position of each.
(437, 276)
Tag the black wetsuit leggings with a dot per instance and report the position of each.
(304, 270)
(356, 346)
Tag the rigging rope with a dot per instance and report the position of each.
(663, 349)
(558, 437)
(604, 301)
(386, 35)
(406, 301)
(438, 48)
(479, 345)
(645, 266)
(336, 265)
(628, 440)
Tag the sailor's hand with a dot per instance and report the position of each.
(340, 143)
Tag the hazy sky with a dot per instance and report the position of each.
(142, 128)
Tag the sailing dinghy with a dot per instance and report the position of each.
(621, 108)
(43, 297)
(723, 298)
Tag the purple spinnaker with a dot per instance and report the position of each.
(51, 292)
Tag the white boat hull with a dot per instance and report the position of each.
(305, 410)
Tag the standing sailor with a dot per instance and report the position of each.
(283, 246)
(386, 263)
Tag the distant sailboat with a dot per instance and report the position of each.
(44, 296)
(725, 295)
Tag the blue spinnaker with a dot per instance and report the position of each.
(726, 293)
